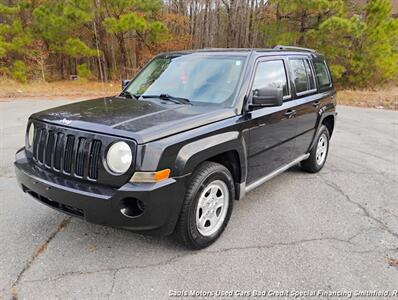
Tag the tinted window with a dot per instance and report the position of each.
(299, 75)
(310, 75)
(322, 73)
(271, 74)
(302, 75)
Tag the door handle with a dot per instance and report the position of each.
(316, 103)
(290, 113)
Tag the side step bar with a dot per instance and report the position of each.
(271, 175)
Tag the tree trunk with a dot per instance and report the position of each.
(100, 68)
(123, 56)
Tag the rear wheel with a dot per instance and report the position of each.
(318, 155)
(207, 206)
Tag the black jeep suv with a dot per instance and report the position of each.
(191, 133)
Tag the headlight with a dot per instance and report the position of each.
(31, 135)
(119, 157)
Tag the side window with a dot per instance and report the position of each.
(322, 74)
(302, 75)
(310, 75)
(271, 74)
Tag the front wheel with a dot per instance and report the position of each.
(207, 206)
(318, 155)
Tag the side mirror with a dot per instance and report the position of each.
(125, 83)
(267, 96)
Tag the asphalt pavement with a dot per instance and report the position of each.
(332, 231)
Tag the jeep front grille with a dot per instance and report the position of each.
(66, 153)
(75, 153)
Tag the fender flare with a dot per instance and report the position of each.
(319, 124)
(192, 154)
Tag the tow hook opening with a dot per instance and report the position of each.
(132, 207)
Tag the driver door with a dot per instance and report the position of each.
(271, 137)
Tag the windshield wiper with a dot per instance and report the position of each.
(127, 94)
(168, 97)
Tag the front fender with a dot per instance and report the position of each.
(192, 154)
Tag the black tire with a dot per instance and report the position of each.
(311, 164)
(186, 230)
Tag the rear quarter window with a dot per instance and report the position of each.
(302, 76)
(322, 74)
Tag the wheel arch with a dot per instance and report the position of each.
(328, 120)
(227, 149)
(230, 159)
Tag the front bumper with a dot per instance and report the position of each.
(158, 213)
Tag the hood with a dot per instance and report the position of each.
(143, 121)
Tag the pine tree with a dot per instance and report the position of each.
(14, 40)
(338, 38)
(294, 18)
(362, 50)
(376, 59)
(134, 18)
(61, 24)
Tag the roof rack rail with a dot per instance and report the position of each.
(281, 47)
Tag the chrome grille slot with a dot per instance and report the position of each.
(80, 157)
(42, 145)
(95, 151)
(35, 143)
(59, 146)
(49, 149)
(68, 156)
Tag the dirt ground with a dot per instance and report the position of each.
(383, 98)
(386, 98)
(58, 90)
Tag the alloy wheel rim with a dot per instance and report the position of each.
(321, 149)
(212, 207)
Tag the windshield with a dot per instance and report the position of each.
(207, 79)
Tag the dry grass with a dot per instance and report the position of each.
(386, 98)
(60, 89)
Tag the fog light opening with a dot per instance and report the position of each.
(132, 207)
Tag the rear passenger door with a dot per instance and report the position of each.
(306, 98)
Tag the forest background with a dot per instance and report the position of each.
(44, 41)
